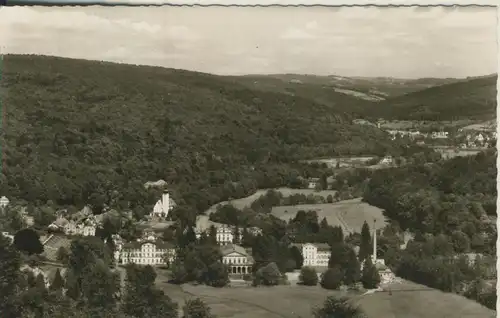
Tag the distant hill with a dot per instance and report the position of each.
(78, 130)
(468, 99)
(324, 87)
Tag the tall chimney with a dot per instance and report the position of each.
(374, 241)
(165, 202)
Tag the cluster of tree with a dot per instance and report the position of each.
(306, 227)
(269, 275)
(273, 198)
(86, 288)
(432, 261)
(452, 197)
(347, 268)
(447, 206)
(11, 219)
(198, 260)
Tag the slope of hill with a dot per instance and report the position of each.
(339, 90)
(469, 99)
(79, 131)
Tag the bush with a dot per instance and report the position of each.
(332, 278)
(308, 276)
(268, 275)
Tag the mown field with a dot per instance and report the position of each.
(408, 300)
(349, 214)
(246, 201)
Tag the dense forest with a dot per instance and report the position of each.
(450, 207)
(472, 99)
(77, 132)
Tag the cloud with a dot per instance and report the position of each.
(313, 25)
(296, 34)
(359, 41)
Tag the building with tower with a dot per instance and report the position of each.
(163, 206)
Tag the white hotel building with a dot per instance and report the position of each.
(315, 254)
(147, 251)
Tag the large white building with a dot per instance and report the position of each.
(4, 202)
(238, 259)
(163, 206)
(315, 254)
(147, 251)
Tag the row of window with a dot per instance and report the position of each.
(150, 261)
(235, 260)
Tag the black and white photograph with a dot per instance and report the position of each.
(248, 162)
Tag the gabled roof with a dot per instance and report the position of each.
(319, 246)
(139, 244)
(231, 248)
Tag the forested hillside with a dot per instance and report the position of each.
(450, 207)
(78, 132)
(472, 99)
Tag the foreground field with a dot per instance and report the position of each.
(411, 300)
(408, 300)
(348, 214)
(246, 201)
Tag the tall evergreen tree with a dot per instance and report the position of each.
(370, 276)
(351, 268)
(365, 248)
(57, 282)
(212, 234)
(236, 235)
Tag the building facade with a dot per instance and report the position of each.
(315, 254)
(4, 201)
(238, 259)
(86, 227)
(147, 251)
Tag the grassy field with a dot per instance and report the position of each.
(411, 300)
(408, 300)
(349, 214)
(449, 152)
(246, 201)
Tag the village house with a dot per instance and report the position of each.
(83, 223)
(238, 259)
(439, 135)
(315, 254)
(147, 251)
(9, 236)
(163, 206)
(4, 201)
(312, 183)
(387, 160)
(224, 232)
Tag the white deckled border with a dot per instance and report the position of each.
(498, 158)
(272, 2)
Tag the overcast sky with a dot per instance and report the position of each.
(396, 42)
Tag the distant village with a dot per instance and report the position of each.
(463, 138)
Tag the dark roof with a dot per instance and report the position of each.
(230, 248)
(319, 246)
(138, 244)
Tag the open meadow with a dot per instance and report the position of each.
(412, 300)
(407, 300)
(348, 214)
(246, 201)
